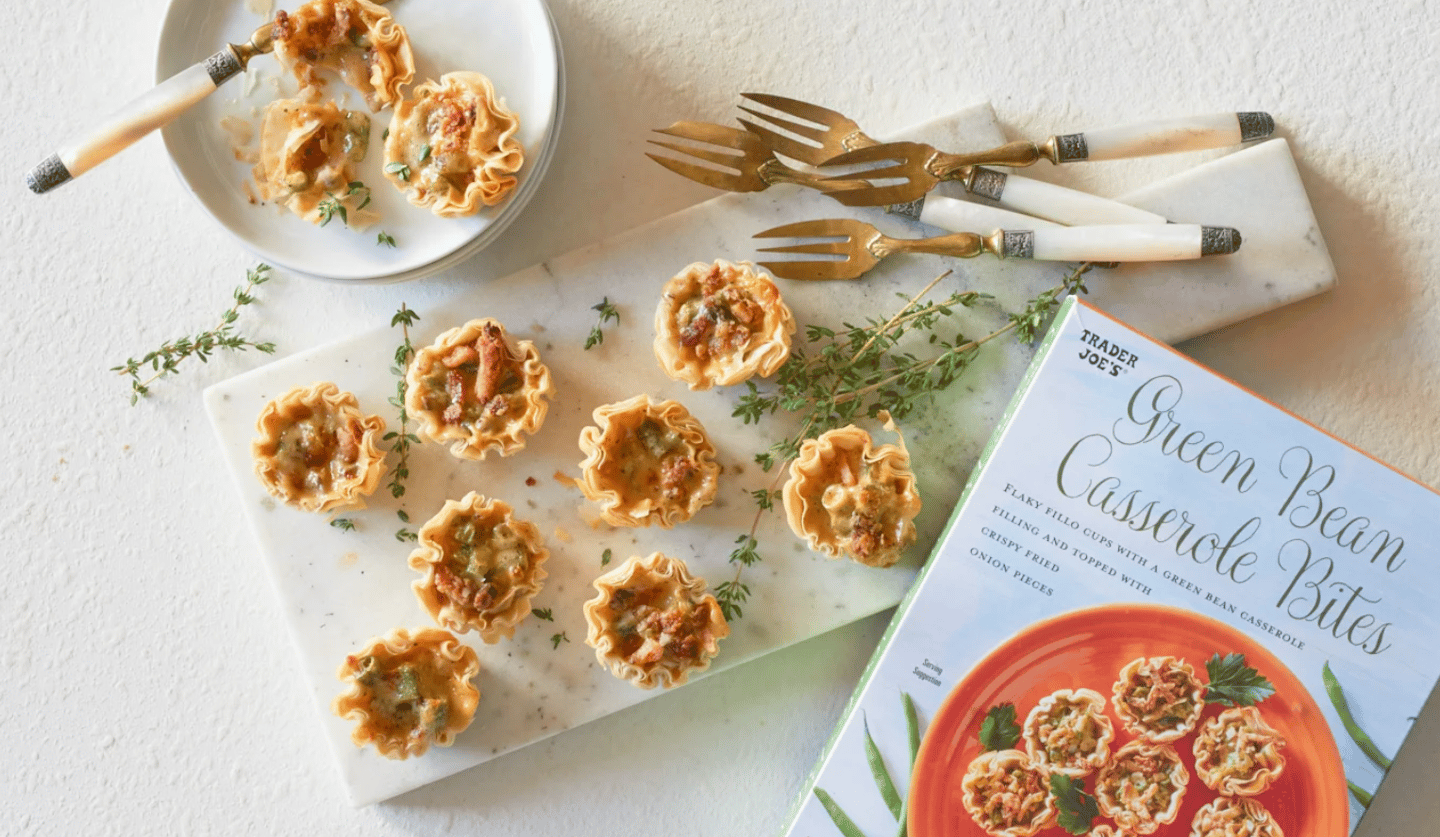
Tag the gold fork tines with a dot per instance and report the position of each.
(860, 247)
(737, 160)
(829, 133)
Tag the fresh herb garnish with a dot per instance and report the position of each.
(1233, 683)
(605, 557)
(999, 731)
(732, 594)
(329, 208)
(344, 524)
(608, 313)
(544, 613)
(166, 359)
(1077, 808)
(861, 371)
(385, 238)
(400, 440)
(556, 639)
(359, 190)
(424, 152)
(398, 169)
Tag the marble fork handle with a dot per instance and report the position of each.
(150, 111)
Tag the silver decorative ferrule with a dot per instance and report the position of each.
(1018, 244)
(223, 66)
(1219, 241)
(910, 210)
(46, 176)
(987, 183)
(1071, 148)
(1255, 125)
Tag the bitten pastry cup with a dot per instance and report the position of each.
(652, 623)
(316, 451)
(409, 690)
(357, 39)
(1228, 817)
(453, 146)
(719, 324)
(308, 153)
(480, 567)
(1158, 698)
(1007, 794)
(1237, 753)
(847, 498)
(476, 391)
(647, 463)
(1141, 787)
(1068, 732)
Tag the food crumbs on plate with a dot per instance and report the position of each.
(562, 535)
(530, 481)
(349, 559)
(564, 479)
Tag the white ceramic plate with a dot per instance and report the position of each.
(511, 41)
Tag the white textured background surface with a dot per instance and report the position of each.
(150, 687)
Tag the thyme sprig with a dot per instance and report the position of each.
(608, 313)
(330, 206)
(401, 439)
(863, 370)
(166, 359)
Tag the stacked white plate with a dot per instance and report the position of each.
(514, 42)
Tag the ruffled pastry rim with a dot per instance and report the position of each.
(475, 444)
(1269, 827)
(1205, 750)
(612, 423)
(763, 354)
(429, 555)
(1135, 725)
(654, 570)
(495, 170)
(1092, 704)
(1123, 817)
(809, 470)
(386, 78)
(992, 763)
(276, 416)
(446, 651)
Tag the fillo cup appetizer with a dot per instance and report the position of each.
(653, 623)
(316, 451)
(479, 566)
(647, 462)
(1007, 794)
(475, 390)
(1068, 732)
(1141, 787)
(1158, 698)
(1237, 753)
(719, 323)
(846, 497)
(1229, 817)
(409, 691)
(357, 39)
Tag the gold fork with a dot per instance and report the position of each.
(747, 164)
(862, 246)
(830, 134)
(922, 166)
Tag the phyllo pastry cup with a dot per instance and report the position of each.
(719, 324)
(1229, 817)
(1068, 732)
(652, 623)
(1141, 787)
(317, 451)
(453, 146)
(474, 389)
(480, 567)
(308, 154)
(847, 498)
(409, 690)
(647, 463)
(1237, 753)
(1007, 794)
(357, 39)
(1158, 698)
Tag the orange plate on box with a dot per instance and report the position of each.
(1087, 648)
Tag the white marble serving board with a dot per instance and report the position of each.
(337, 589)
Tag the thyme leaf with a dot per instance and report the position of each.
(608, 313)
(384, 238)
(166, 360)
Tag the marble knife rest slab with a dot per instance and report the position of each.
(337, 589)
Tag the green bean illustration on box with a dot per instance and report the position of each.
(894, 801)
(1358, 735)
